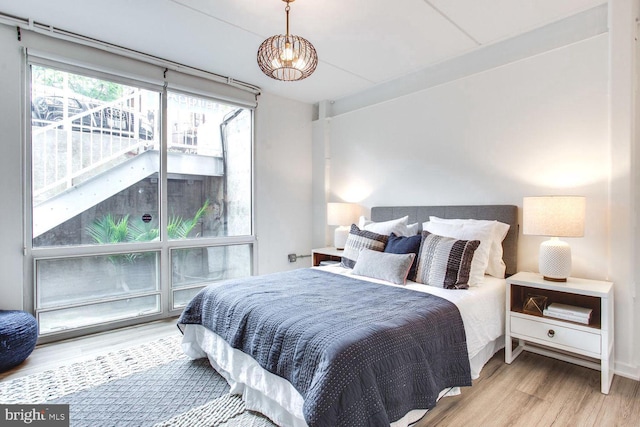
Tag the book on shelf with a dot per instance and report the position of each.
(567, 316)
(571, 310)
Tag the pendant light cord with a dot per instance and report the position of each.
(286, 9)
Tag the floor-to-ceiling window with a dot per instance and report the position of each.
(95, 161)
(140, 194)
(209, 154)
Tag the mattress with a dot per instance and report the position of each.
(481, 308)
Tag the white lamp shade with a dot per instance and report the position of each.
(554, 216)
(341, 213)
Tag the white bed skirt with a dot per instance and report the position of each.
(273, 396)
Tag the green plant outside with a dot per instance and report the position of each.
(179, 228)
(108, 230)
(82, 85)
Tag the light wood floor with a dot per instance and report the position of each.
(49, 356)
(538, 391)
(533, 391)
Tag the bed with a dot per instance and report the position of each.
(299, 367)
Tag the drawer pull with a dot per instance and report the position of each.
(551, 333)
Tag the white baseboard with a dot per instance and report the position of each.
(627, 371)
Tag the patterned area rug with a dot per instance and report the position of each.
(154, 384)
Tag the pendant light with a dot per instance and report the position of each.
(287, 57)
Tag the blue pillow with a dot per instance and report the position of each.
(405, 245)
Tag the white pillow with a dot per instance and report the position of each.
(362, 221)
(496, 266)
(396, 226)
(413, 229)
(468, 231)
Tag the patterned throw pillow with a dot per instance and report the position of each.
(358, 240)
(444, 261)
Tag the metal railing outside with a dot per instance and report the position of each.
(71, 148)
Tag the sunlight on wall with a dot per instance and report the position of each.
(566, 172)
(354, 190)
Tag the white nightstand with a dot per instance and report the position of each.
(586, 345)
(326, 254)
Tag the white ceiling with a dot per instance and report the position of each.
(360, 43)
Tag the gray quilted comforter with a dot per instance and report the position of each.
(359, 353)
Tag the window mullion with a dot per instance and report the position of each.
(165, 255)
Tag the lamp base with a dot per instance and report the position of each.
(340, 236)
(552, 279)
(554, 260)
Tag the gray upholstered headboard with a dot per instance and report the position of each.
(503, 213)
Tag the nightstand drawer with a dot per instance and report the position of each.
(557, 335)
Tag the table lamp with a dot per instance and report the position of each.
(554, 216)
(342, 215)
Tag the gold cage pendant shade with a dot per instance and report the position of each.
(287, 57)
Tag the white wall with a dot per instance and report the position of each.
(282, 177)
(536, 126)
(11, 240)
(283, 182)
(622, 206)
(636, 194)
(533, 127)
